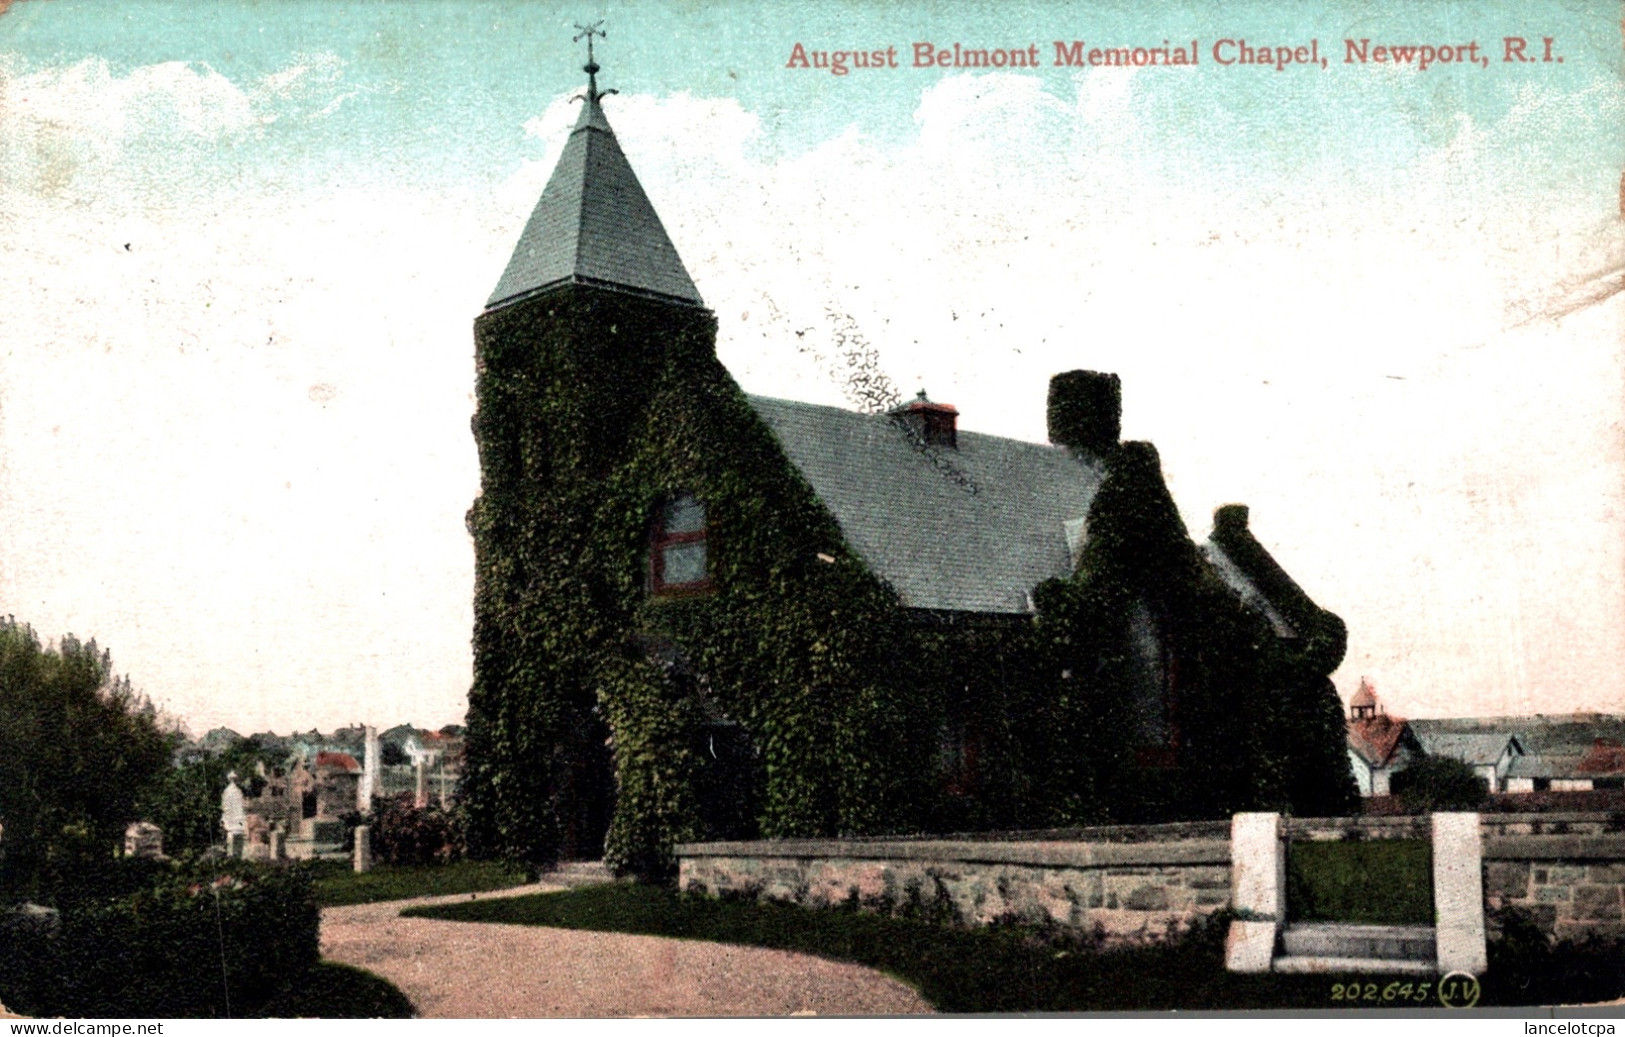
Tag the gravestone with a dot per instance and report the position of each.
(233, 818)
(363, 849)
(369, 787)
(144, 839)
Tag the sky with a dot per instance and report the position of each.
(244, 245)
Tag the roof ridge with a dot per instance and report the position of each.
(886, 416)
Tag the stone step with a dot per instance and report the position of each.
(1346, 940)
(579, 873)
(1305, 963)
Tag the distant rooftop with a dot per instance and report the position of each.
(1376, 738)
(1551, 734)
(1474, 747)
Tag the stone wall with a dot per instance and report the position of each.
(1327, 829)
(1118, 891)
(1553, 823)
(1135, 884)
(1572, 885)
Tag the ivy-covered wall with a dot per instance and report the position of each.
(1257, 723)
(796, 698)
(596, 406)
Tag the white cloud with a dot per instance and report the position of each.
(86, 132)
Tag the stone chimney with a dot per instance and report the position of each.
(1230, 518)
(1086, 411)
(934, 424)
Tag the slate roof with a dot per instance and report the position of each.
(1478, 748)
(1550, 734)
(1542, 765)
(971, 529)
(594, 225)
(1564, 735)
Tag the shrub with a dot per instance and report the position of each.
(1525, 965)
(405, 834)
(216, 938)
(1440, 783)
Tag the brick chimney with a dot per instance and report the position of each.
(1086, 411)
(935, 424)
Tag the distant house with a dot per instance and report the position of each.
(1547, 772)
(1605, 763)
(1489, 753)
(1379, 745)
(272, 742)
(336, 778)
(1521, 754)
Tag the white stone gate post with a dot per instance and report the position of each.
(1257, 891)
(1458, 893)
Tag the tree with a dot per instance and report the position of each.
(1439, 783)
(77, 748)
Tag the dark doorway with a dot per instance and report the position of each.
(729, 783)
(587, 798)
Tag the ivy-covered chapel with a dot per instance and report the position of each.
(702, 614)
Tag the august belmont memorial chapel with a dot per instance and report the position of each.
(702, 614)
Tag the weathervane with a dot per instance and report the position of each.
(591, 67)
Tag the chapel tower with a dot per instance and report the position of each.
(593, 304)
(593, 298)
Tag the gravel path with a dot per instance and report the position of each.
(477, 970)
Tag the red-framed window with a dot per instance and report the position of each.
(679, 561)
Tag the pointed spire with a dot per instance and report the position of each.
(591, 67)
(593, 223)
(592, 114)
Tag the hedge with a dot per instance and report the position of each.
(211, 939)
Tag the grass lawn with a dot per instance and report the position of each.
(333, 991)
(1377, 881)
(337, 883)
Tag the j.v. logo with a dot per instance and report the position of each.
(1459, 990)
